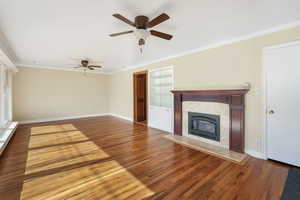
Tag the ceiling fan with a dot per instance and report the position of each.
(84, 64)
(142, 24)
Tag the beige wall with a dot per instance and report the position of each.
(229, 65)
(42, 94)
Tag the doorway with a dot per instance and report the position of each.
(140, 97)
(282, 97)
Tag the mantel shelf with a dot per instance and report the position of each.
(212, 92)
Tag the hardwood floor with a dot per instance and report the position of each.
(110, 158)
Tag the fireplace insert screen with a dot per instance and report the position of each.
(204, 125)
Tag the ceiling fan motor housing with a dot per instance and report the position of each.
(84, 62)
(141, 22)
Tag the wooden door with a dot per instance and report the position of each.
(140, 96)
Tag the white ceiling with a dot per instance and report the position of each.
(48, 33)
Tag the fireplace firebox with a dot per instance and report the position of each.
(204, 125)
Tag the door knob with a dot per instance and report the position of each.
(271, 112)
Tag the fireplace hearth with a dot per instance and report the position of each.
(204, 125)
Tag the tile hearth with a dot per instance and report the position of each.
(211, 149)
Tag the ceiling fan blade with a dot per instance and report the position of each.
(90, 68)
(161, 18)
(161, 35)
(95, 66)
(127, 21)
(121, 33)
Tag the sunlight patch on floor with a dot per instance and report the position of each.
(57, 138)
(52, 128)
(62, 155)
(65, 171)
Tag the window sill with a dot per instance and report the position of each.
(6, 134)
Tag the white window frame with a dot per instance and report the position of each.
(159, 69)
(149, 93)
(5, 92)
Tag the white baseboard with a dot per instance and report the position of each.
(74, 117)
(62, 118)
(256, 154)
(250, 152)
(120, 116)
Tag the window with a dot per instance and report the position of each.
(160, 85)
(5, 96)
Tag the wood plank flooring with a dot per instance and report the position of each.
(110, 158)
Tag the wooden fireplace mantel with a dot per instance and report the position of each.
(236, 100)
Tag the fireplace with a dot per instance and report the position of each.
(235, 98)
(204, 125)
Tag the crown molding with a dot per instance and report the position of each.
(215, 45)
(56, 68)
(188, 52)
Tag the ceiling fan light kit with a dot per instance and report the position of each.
(142, 23)
(141, 36)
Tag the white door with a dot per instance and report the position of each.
(161, 99)
(283, 103)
